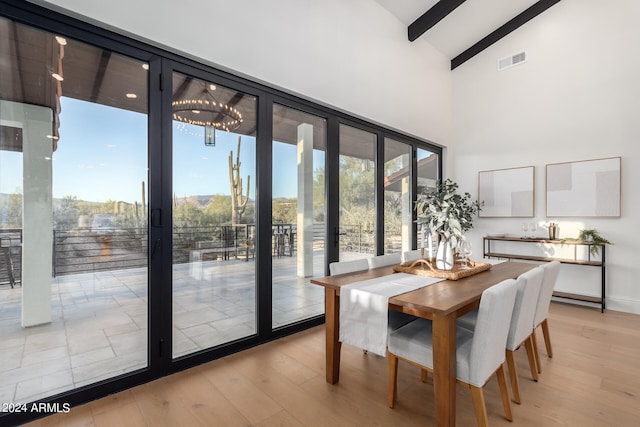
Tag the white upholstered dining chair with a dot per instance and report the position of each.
(351, 266)
(343, 267)
(384, 260)
(395, 319)
(479, 354)
(410, 256)
(528, 285)
(551, 271)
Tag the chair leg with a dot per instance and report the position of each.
(392, 395)
(534, 341)
(479, 405)
(533, 363)
(547, 337)
(513, 375)
(424, 374)
(504, 392)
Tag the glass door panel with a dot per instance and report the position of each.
(357, 193)
(73, 220)
(298, 214)
(214, 146)
(397, 197)
(428, 175)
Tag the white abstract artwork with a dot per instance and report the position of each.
(507, 192)
(585, 188)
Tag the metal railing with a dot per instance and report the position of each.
(217, 242)
(357, 238)
(10, 256)
(86, 250)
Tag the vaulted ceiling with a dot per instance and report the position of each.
(461, 29)
(458, 28)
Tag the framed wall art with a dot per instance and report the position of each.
(507, 192)
(584, 188)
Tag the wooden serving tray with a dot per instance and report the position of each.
(423, 267)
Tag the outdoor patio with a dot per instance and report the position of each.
(99, 321)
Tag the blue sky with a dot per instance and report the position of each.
(102, 155)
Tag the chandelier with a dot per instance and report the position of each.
(208, 112)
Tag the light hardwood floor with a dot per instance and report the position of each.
(592, 380)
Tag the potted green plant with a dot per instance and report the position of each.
(448, 214)
(593, 236)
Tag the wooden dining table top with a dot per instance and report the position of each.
(443, 297)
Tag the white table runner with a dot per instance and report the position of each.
(364, 308)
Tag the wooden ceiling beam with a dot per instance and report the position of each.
(533, 11)
(431, 17)
(101, 71)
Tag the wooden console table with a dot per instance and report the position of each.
(489, 253)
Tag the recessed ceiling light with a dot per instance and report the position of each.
(212, 87)
(145, 66)
(57, 76)
(131, 95)
(61, 41)
(53, 137)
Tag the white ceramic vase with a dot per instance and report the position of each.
(444, 256)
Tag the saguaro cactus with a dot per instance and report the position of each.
(238, 203)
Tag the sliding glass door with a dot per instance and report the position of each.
(214, 215)
(428, 174)
(298, 214)
(73, 217)
(357, 213)
(397, 197)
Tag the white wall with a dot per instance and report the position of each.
(352, 55)
(576, 98)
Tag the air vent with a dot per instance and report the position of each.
(510, 61)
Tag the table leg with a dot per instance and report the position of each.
(332, 328)
(444, 369)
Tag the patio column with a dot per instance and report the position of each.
(305, 201)
(37, 207)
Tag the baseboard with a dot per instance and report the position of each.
(615, 304)
(624, 305)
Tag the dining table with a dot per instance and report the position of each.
(442, 302)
